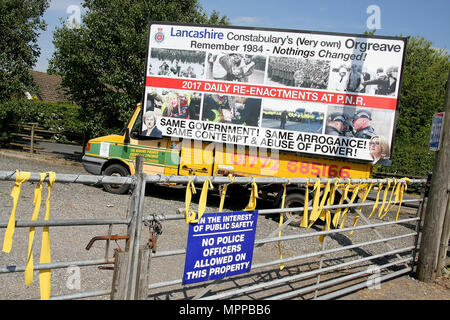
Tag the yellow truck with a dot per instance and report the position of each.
(115, 155)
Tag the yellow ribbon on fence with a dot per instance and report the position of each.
(281, 222)
(366, 193)
(337, 215)
(304, 222)
(224, 192)
(326, 214)
(386, 191)
(352, 199)
(380, 187)
(389, 205)
(45, 275)
(253, 196)
(315, 210)
(190, 215)
(402, 189)
(29, 267)
(190, 189)
(21, 177)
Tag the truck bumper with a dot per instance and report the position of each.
(93, 165)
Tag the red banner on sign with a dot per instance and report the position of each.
(273, 92)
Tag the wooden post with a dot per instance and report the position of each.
(437, 203)
(143, 271)
(443, 248)
(119, 276)
(33, 126)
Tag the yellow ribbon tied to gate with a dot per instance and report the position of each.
(389, 205)
(281, 222)
(337, 215)
(190, 215)
(29, 267)
(383, 203)
(352, 199)
(304, 222)
(326, 214)
(315, 210)
(253, 196)
(21, 177)
(380, 187)
(45, 274)
(399, 190)
(190, 189)
(224, 192)
(366, 193)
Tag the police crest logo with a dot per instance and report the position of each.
(159, 36)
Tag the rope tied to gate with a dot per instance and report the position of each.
(281, 221)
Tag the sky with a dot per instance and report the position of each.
(430, 19)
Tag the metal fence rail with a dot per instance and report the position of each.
(136, 219)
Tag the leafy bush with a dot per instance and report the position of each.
(59, 117)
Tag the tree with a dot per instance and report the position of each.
(103, 62)
(425, 74)
(20, 24)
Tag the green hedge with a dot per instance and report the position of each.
(58, 117)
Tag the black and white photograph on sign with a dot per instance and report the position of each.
(177, 63)
(292, 115)
(359, 78)
(363, 123)
(298, 72)
(236, 67)
(231, 109)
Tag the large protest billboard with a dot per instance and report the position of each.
(310, 92)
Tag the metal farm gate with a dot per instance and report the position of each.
(317, 262)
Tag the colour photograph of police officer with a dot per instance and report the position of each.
(297, 72)
(290, 115)
(363, 123)
(174, 104)
(360, 78)
(177, 63)
(236, 67)
(231, 109)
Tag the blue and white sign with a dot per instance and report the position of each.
(220, 245)
(436, 131)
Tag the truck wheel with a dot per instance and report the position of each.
(294, 200)
(118, 171)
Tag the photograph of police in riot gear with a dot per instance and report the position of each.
(298, 72)
(236, 67)
(362, 123)
(177, 63)
(292, 115)
(231, 109)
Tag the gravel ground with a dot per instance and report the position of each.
(79, 201)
